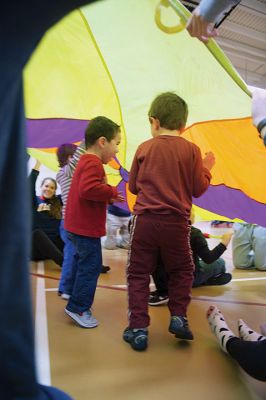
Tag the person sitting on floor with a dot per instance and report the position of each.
(117, 232)
(249, 246)
(248, 350)
(46, 218)
(209, 266)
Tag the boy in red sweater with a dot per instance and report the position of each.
(166, 172)
(86, 215)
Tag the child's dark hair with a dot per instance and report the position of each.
(63, 153)
(98, 127)
(170, 109)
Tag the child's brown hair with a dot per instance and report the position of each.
(100, 126)
(170, 109)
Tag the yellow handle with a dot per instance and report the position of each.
(164, 28)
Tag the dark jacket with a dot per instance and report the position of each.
(200, 248)
(42, 220)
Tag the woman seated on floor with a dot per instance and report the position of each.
(46, 217)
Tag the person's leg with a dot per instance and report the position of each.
(160, 278)
(142, 258)
(59, 242)
(71, 276)
(259, 246)
(123, 241)
(112, 225)
(242, 246)
(211, 274)
(69, 253)
(88, 269)
(250, 355)
(177, 258)
(17, 367)
(207, 271)
(246, 333)
(160, 295)
(219, 327)
(43, 248)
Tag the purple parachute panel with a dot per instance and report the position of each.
(232, 203)
(48, 133)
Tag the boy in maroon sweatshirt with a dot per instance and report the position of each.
(166, 172)
(86, 215)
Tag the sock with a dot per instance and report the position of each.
(246, 333)
(219, 327)
(263, 329)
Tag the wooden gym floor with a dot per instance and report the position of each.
(96, 364)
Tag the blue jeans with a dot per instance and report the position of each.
(208, 271)
(69, 253)
(87, 265)
(202, 274)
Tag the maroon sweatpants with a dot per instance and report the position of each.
(168, 235)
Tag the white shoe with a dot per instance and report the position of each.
(85, 319)
(65, 296)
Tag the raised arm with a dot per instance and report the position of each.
(202, 175)
(33, 178)
(201, 23)
(200, 246)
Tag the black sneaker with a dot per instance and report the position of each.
(138, 339)
(221, 279)
(105, 268)
(156, 300)
(180, 328)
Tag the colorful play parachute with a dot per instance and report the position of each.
(112, 58)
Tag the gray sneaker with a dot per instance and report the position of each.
(65, 296)
(85, 319)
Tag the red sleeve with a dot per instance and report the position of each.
(202, 175)
(92, 184)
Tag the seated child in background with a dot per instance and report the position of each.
(209, 267)
(249, 246)
(85, 216)
(117, 233)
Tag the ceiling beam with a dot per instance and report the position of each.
(254, 6)
(227, 43)
(248, 74)
(245, 31)
(247, 57)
